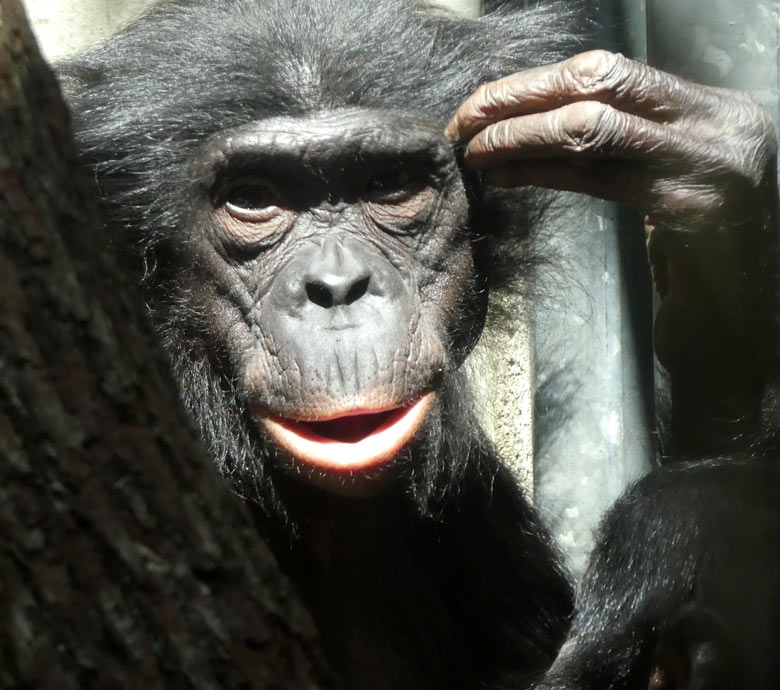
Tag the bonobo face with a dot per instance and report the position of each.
(329, 260)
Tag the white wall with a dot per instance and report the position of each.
(66, 26)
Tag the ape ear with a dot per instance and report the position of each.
(694, 652)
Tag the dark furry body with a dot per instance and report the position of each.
(459, 599)
(447, 579)
(683, 587)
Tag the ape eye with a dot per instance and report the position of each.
(252, 199)
(391, 182)
(251, 211)
(397, 197)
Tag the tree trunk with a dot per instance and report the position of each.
(125, 562)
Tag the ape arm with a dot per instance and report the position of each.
(701, 163)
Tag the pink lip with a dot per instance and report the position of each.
(354, 441)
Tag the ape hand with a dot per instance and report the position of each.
(602, 124)
(701, 162)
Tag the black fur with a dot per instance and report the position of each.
(446, 579)
(683, 587)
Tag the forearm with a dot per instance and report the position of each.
(716, 331)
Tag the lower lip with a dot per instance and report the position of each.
(373, 450)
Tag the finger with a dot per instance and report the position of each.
(586, 130)
(598, 75)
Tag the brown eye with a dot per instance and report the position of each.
(392, 182)
(252, 211)
(253, 200)
(398, 197)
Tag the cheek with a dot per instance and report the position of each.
(445, 257)
(458, 304)
(215, 304)
(449, 284)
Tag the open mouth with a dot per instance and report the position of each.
(353, 441)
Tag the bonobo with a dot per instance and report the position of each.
(683, 587)
(317, 254)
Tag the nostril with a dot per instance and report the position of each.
(359, 289)
(343, 292)
(319, 294)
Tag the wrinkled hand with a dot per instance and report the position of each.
(701, 162)
(617, 129)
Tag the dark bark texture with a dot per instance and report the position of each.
(125, 562)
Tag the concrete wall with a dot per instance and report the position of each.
(65, 26)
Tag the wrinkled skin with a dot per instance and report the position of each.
(329, 257)
(700, 162)
(680, 151)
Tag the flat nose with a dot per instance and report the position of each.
(336, 276)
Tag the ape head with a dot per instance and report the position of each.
(332, 267)
(315, 258)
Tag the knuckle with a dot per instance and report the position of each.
(473, 109)
(585, 125)
(752, 136)
(750, 115)
(480, 94)
(488, 98)
(593, 71)
(497, 136)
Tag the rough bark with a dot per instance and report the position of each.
(125, 561)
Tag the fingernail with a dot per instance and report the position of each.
(451, 131)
